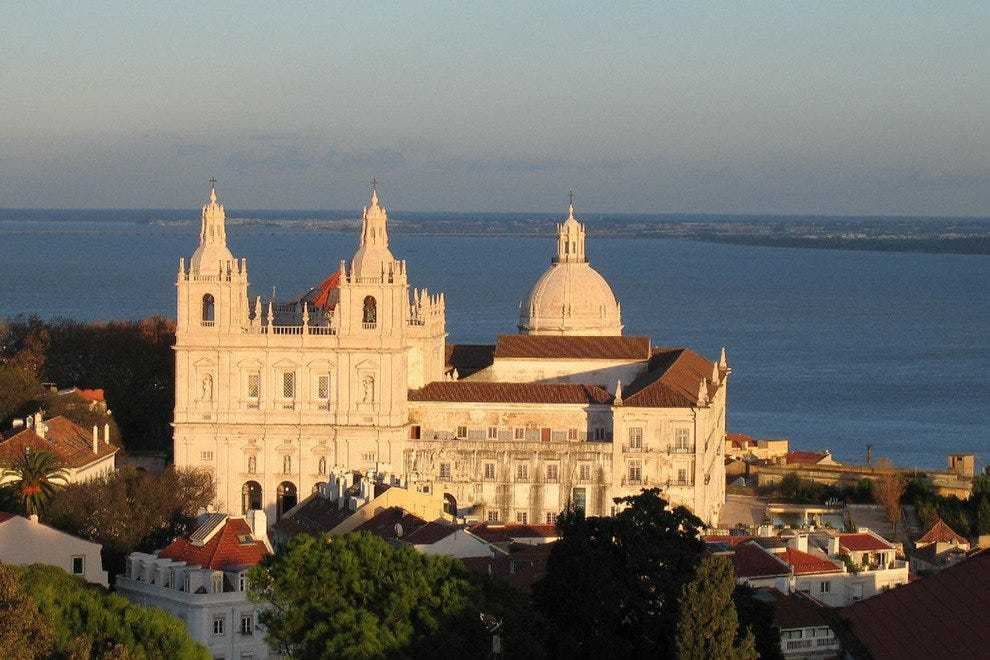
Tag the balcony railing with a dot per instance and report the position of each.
(632, 448)
(207, 324)
(369, 326)
(680, 450)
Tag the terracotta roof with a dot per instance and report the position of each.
(92, 395)
(430, 533)
(863, 542)
(752, 561)
(224, 550)
(65, 439)
(572, 348)
(383, 523)
(740, 440)
(324, 295)
(940, 616)
(480, 392)
(313, 515)
(804, 457)
(672, 380)
(797, 610)
(4, 516)
(468, 358)
(506, 533)
(805, 563)
(941, 533)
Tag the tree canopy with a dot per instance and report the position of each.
(80, 620)
(612, 584)
(35, 477)
(357, 596)
(708, 626)
(131, 510)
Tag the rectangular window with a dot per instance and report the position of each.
(636, 437)
(552, 518)
(682, 476)
(323, 387)
(462, 432)
(635, 472)
(580, 499)
(206, 456)
(415, 432)
(520, 433)
(545, 434)
(217, 583)
(242, 581)
(682, 440)
(521, 517)
(254, 387)
(584, 472)
(170, 579)
(492, 516)
(289, 385)
(522, 472)
(599, 433)
(826, 587)
(247, 624)
(218, 626)
(78, 565)
(489, 471)
(572, 434)
(186, 582)
(552, 473)
(493, 433)
(445, 471)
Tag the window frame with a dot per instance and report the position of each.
(82, 564)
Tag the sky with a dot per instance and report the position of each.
(860, 108)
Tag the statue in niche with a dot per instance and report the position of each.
(322, 469)
(368, 389)
(207, 394)
(252, 464)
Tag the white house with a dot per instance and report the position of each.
(83, 455)
(25, 541)
(202, 579)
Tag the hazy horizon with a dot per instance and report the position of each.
(834, 110)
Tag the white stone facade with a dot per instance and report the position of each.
(273, 398)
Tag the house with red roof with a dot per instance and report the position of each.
(25, 541)
(202, 579)
(84, 455)
(940, 546)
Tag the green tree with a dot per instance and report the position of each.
(89, 622)
(357, 596)
(708, 625)
(24, 633)
(18, 387)
(612, 583)
(132, 510)
(36, 476)
(983, 515)
(757, 614)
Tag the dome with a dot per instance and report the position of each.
(373, 256)
(212, 250)
(571, 297)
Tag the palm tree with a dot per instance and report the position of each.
(36, 477)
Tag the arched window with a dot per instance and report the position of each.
(370, 314)
(450, 505)
(250, 496)
(285, 498)
(208, 309)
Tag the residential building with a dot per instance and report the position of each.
(355, 375)
(202, 579)
(83, 455)
(938, 548)
(804, 625)
(25, 541)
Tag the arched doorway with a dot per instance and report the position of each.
(285, 498)
(450, 505)
(250, 496)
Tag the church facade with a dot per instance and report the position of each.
(356, 377)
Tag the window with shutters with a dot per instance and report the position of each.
(635, 438)
(552, 473)
(492, 516)
(323, 387)
(462, 432)
(493, 433)
(584, 472)
(522, 472)
(490, 471)
(253, 390)
(445, 471)
(635, 472)
(521, 517)
(520, 433)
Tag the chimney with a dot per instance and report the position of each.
(106, 433)
(33, 517)
(799, 542)
(29, 422)
(96, 441)
(258, 522)
(17, 424)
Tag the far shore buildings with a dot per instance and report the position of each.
(356, 376)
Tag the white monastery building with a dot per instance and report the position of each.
(356, 376)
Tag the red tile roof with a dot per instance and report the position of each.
(752, 561)
(506, 533)
(740, 440)
(324, 296)
(672, 380)
(92, 395)
(482, 392)
(726, 539)
(572, 348)
(805, 563)
(430, 533)
(941, 533)
(804, 457)
(863, 542)
(940, 616)
(68, 441)
(224, 550)
(797, 610)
